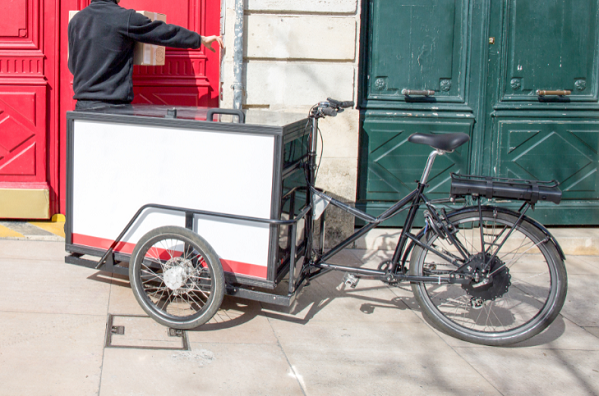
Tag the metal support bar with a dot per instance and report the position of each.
(317, 274)
(417, 194)
(323, 220)
(377, 274)
(353, 270)
(431, 279)
(429, 165)
(346, 242)
(480, 224)
(110, 266)
(237, 86)
(189, 220)
(270, 298)
(293, 235)
(393, 209)
(197, 212)
(386, 215)
(507, 236)
(345, 207)
(424, 246)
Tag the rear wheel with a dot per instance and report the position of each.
(176, 277)
(515, 296)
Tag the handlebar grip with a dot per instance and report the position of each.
(341, 104)
(329, 111)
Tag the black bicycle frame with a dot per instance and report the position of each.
(395, 272)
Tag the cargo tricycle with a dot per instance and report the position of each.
(192, 209)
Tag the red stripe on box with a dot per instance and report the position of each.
(126, 247)
(243, 268)
(86, 240)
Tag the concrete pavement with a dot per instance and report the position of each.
(371, 340)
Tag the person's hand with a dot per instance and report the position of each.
(208, 40)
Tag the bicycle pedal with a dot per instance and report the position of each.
(350, 280)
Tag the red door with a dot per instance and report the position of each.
(188, 78)
(28, 109)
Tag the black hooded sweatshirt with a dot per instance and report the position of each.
(101, 40)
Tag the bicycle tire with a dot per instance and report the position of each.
(176, 277)
(533, 276)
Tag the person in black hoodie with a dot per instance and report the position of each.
(101, 41)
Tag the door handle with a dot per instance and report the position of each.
(543, 92)
(414, 92)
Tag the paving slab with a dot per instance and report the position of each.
(32, 250)
(51, 287)
(391, 359)
(577, 241)
(594, 330)
(334, 340)
(582, 265)
(122, 301)
(208, 369)
(536, 371)
(328, 299)
(142, 332)
(562, 334)
(49, 354)
(237, 321)
(582, 301)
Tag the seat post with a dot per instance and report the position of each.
(429, 165)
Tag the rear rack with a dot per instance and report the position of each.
(531, 191)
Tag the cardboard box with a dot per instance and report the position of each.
(148, 54)
(144, 54)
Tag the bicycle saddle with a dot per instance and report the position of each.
(445, 142)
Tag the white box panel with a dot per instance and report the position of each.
(117, 168)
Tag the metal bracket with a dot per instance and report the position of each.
(175, 332)
(120, 330)
(111, 330)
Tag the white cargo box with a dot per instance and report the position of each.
(121, 159)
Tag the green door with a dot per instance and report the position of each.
(485, 62)
(540, 46)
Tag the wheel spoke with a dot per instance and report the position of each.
(176, 278)
(521, 284)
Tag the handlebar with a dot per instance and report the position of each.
(330, 108)
(329, 111)
(338, 103)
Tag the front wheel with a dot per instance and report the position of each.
(176, 277)
(518, 292)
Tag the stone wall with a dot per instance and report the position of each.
(296, 54)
